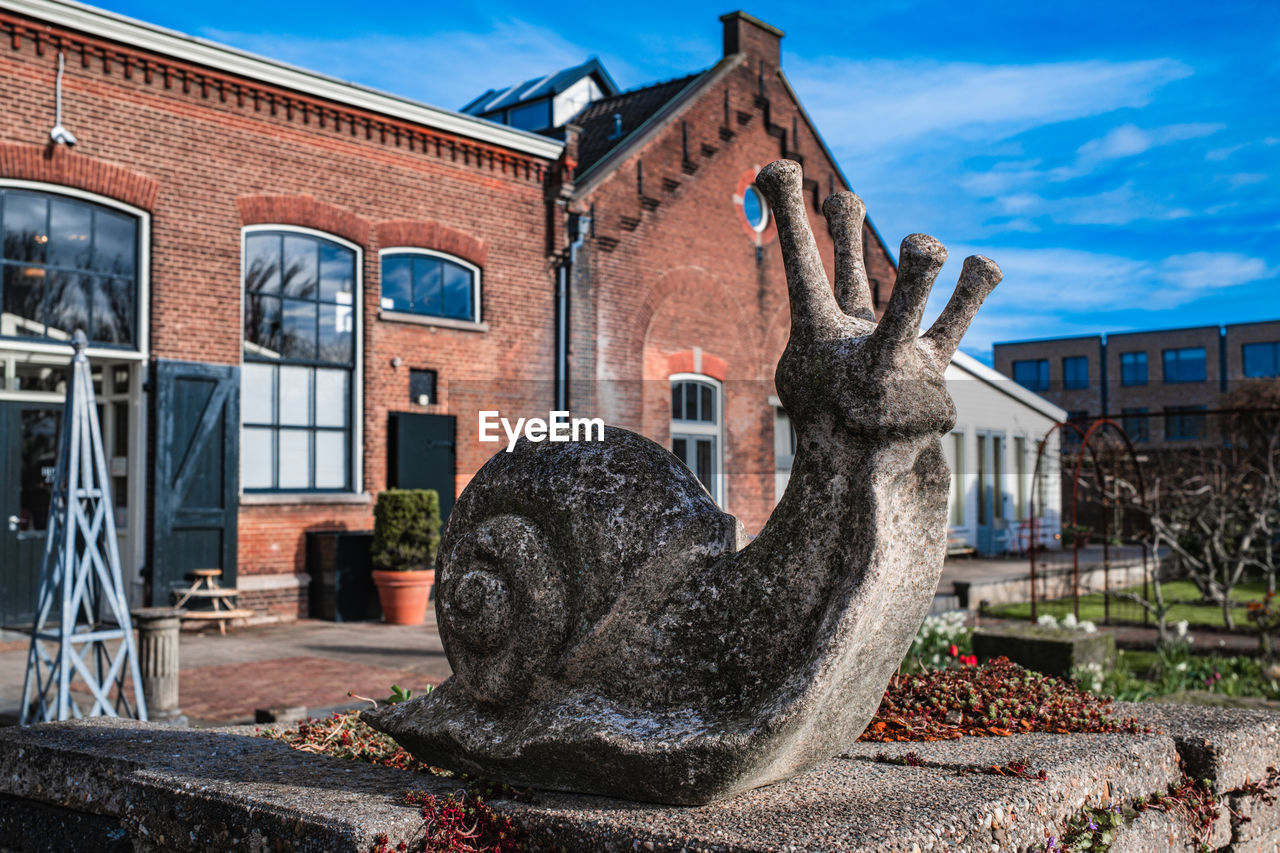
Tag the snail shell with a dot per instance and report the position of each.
(502, 610)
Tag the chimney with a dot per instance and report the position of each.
(752, 36)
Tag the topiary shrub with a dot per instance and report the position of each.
(406, 530)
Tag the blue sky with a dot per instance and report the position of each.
(1118, 159)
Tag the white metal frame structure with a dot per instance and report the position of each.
(81, 573)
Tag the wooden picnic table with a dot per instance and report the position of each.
(206, 586)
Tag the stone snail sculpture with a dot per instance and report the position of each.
(610, 629)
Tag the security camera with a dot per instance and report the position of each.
(61, 136)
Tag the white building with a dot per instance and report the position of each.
(992, 453)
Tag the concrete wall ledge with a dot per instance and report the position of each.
(122, 785)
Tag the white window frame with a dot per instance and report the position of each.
(764, 209)
(142, 346)
(136, 358)
(357, 372)
(702, 428)
(477, 306)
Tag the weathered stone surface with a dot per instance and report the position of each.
(182, 790)
(609, 629)
(1160, 830)
(1229, 746)
(196, 791)
(1048, 650)
(1255, 822)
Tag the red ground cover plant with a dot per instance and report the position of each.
(463, 824)
(997, 699)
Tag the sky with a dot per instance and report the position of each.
(1118, 159)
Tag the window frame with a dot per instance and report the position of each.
(1039, 386)
(1146, 368)
(356, 411)
(1070, 383)
(141, 348)
(1176, 352)
(764, 209)
(477, 296)
(1136, 416)
(1275, 359)
(713, 428)
(1179, 415)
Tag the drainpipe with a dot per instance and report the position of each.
(579, 227)
(1106, 392)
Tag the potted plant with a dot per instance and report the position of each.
(406, 535)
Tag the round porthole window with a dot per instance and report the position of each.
(754, 208)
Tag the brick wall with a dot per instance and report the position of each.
(654, 282)
(1072, 399)
(206, 154)
(1240, 334)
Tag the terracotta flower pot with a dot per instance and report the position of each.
(404, 595)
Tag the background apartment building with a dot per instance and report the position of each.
(1162, 385)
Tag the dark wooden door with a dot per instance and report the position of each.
(421, 455)
(28, 457)
(195, 480)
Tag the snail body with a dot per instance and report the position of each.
(612, 631)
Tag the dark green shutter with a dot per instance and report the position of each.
(195, 481)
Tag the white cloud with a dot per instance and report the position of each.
(1244, 179)
(1128, 140)
(868, 106)
(446, 69)
(1121, 206)
(1077, 280)
(1060, 291)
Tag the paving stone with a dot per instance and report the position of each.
(1230, 746)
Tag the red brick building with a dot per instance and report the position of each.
(678, 286)
(300, 291)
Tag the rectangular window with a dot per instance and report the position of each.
(1184, 423)
(1080, 418)
(1032, 374)
(422, 387)
(1136, 424)
(1133, 368)
(1184, 365)
(955, 450)
(532, 116)
(1261, 360)
(1075, 372)
(296, 387)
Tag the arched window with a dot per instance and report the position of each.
(68, 264)
(298, 383)
(431, 284)
(696, 434)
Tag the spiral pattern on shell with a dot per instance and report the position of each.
(501, 608)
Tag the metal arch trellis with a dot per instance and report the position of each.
(80, 576)
(1086, 443)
